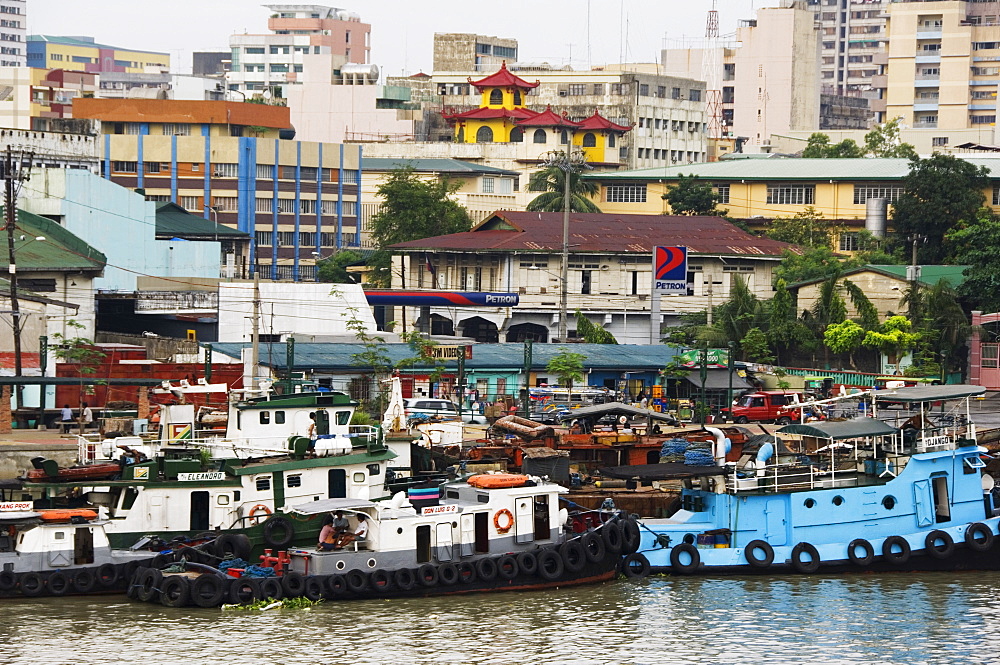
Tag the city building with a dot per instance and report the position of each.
(210, 63)
(271, 62)
(609, 272)
(464, 52)
(13, 33)
(852, 42)
(84, 54)
(41, 99)
(160, 85)
(227, 161)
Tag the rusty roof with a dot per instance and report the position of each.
(604, 233)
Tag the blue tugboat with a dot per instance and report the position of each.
(834, 496)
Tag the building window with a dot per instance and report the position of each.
(505, 186)
(996, 196)
(225, 203)
(189, 203)
(177, 129)
(517, 98)
(153, 167)
(279, 69)
(286, 206)
(939, 141)
(349, 208)
(496, 97)
(263, 238)
(132, 128)
(625, 193)
(611, 140)
(981, 119)
(791, 194)
(722, 191)
(517, 135)
(675, 93)
(488, 185)
(307, 207)
(263, 205)
(577, 89)
(254, 50)
(694, 95)
(125, 167)
(864, 192)
(849, 241)
(619, 88)
(329, 207)
(598, 88)
(644, 90)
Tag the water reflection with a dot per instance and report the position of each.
(902, 618)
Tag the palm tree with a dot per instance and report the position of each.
(552, 181)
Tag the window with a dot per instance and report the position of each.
(849, 241)
(644, 90)
(791, 194)
(722, 191)
(225, 203)
(254, 50)
(505, 186)
(225, 170)
(586, 281)
(125, 167)
(611, 140)
(675, 93)
(265, 171)
(263, 238)
(936, 72)
(177, 129)
(505, 52)
(307, 206)
(938, 141)
(517, 135)
(132, 128)
(329, 208)
(488, 185)
(589, 140)
(496, 97)
(982, 71)
(619, 88)
(864, 192)
(279, 69)
(694, 95)
(286, 238)
(308, 172)
(982, 119)
(263, 483)
(294, 480)
(598, 89)
(189, 203)
(286, 205)
(517, 98)
(625, 193)
(983, 46)
(263, 205)
(153, 167)
(996, 196)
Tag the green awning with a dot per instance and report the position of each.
(841, 429)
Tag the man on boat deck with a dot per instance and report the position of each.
(359, 534)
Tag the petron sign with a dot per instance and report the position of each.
(442, 298)
(670, 271)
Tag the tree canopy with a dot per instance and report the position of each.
(806, 228)
(882, 141)
(333, 269)
(552, 181)
(692, 196)
(819, 147)
(567, 366)
(977, 245)
(592, 333)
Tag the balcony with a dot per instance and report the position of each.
(925, 125)
(927, 58)
(934, 33)
(926, 105)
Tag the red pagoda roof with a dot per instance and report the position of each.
(597, 121)
(485, 113)
(547, 118)
(503, 79)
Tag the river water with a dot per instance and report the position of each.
(865, 619)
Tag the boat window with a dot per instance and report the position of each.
(810, 503)
(838, 500)
(129, 497)
(373, 469)
(359, 477)
(263, 483)
(236, 495)
(222, 500)
(294, 481)
(279, 417)
(451, 494)
(265, 417)
(889, 502)
(59, 535)
(343, 417)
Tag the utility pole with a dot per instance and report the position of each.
(255, 334)
(13, 177)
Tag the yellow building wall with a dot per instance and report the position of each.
(60, 56)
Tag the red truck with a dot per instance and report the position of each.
(770, 406)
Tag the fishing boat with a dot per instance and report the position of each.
(487, 532)
(60, 552)
(854, 495)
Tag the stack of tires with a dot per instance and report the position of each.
(105, 578)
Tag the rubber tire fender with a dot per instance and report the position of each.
(466, 572)
(285, 529)
(292, 584)
(754, 561)
(232, 546)
(931, 548)
(507, 568)
(631, 536)
(84, 580)
(448, 574)
(8, 580)
(244, 591)
(487, 569)
(852, 554)
(271, 587)
(58, 583)
(108, 574)
(613, 538)
(677, 566)
(427, 575)
(313, 588)
(357, 581)
(573, 555)
(635, 566)
(208, 590)
(527, 562)
(801, 565)
(550, 565)
(132, 586)
(405, 579)
(896, 558)
(149, 583)
(336, 586)
(175, 591)
(978, 528)
(380, 581)
(32, 584)
(594, 547)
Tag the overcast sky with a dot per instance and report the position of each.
(403, 30)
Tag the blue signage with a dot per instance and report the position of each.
(670, 270)
(442, 298)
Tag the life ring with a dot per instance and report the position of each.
(936, 551)
(975, 531)
(678, 566)
(259, 508)
(897, 558)
(749, 552)
(810, 565)
(863, 559)
(508, 520)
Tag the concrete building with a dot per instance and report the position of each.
(55, 150)
(210, 63)
(84, 54)
(272, 62)
(13, 33)
(160, 85)
(463, 52)
(41, 99)
(852, 46)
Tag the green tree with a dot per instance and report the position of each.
(334, 268)
(373, 358)
(567, 366)
(592, 334)
(818, 146)
(552, 181)
(81, 353)
(692, 196)
(738, 315)
(817, 262)
(977, 245)
(940, 193)
(884, 141)
(844, 337)
(784, 330)
(412, 209)
(893, 338)
(805, 228)
(867, 312)
(754, 347)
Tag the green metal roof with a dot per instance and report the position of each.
(173, 221)
(61, 251)
(432, 165)
(786, 168)
(929, 275)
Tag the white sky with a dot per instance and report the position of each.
(403, 31)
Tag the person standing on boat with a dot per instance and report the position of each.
(312, 431)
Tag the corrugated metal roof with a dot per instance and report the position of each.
(326, 357)
(174, 221)
(60, 251)
(431, 165)
(600, 232)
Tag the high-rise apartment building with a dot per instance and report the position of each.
(13, 33)
(463, 52)
(852, 42)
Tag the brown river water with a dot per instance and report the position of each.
(863, 619)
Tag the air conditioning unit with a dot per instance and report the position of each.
(563, 93)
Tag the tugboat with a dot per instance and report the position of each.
(835, 496)
(489, 532)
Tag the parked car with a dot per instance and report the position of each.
(442, 408)
(769, 406)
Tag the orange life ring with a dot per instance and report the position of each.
(508, 520)
(261, 508)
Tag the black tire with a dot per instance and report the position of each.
(162, 561)
(741, 420)
(945, 550)
(612, 535)
(244, 591)
(896, 558)
(108, 575)
(594, 547)
(278, 532)
(231, 546)
(405, 579)
(527, 562)
(635, 566)
(783, 420)
(175, 591)
(32, 584)
(507, 567)
(8, 580)
(357, 581)
(487, 569)
(573, 555)
(380, 581)
(292, 585)
(973, 534)
(270, 587)
(680, 567)
(427, 575)
(84, 580)
(336, 586)
(130, 568)
(749, 552)
(448, 574)
(132, 586)
(865, 559)
(149, 583)
(313, 588)
(550, 565)
(810, 565)
(466, 572)
(631, 536)
(58, 583)
(208, 590)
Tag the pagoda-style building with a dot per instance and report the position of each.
(503, 118)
